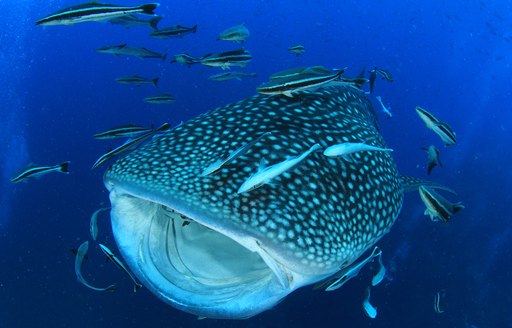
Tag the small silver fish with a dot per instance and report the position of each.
(347, 148)
(439, 301)
(238, 34)
(163, 98)
(137, 80)
(438, 207)
(176, 31)
(385, 110)
(369, 309)
(33, 171)
(433, 158)
(340, 278)
(298, 50)
(265, 174)
(124, 49)
(124, 131)
(80, 256)
(113, 258)
(443, 130)
(128, 145)
(217, 165)
(93, 226)
(230, 76)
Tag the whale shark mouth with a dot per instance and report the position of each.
(192, 266)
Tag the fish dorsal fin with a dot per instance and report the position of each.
(412, 184)
(262, 165)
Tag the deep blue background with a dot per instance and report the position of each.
(451, 57)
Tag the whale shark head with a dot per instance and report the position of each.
(204, 248)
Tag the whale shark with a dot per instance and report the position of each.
(203, 248)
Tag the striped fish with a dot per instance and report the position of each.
(185, 59)
(306, 225)
(34, 171)
(124, 49)
(137, 80)
(386, 75)
(442, 129)
(225, 60)
(81, 254)
(128, 145)
(438, 207)
(176, 31)
(298, 50)
(111, 256)
(124, 131)
(296, 80)
(94, 11)
(163, 98)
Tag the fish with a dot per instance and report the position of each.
(230, 75)
(163, 98)
(373, 77)
(440, 301)
(137, 80)
(368, 308)
(340, 278)
(220, 163)
(124, 49)
(80, 256)
(292, 81)
(35, 171)
(93, 226)
(386, 75)
(128, 145)
(225, 60)
(433, 158)
(124, 131)
(443, 130)
(185, 59)
(265, 174)
(346, 149)
(356, 81)
(298, 50)
(110, 255)
(176, 31)
(238, 34)
(438, 207)
(385, 110)
(94, 11)
(134, 20)
(308, 224)
(379, 276)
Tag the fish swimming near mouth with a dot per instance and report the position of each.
(204, 249)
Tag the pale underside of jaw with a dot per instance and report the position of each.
(193, 267)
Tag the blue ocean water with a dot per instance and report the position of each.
(451, 57)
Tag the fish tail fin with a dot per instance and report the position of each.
(155, 81)
(457, 207)
(340, 72)
(154, 22)
(149, 8)
(412, 184)
(64, 167)
(430, 167)
(194, 28)
(136, 287)
(164, 57)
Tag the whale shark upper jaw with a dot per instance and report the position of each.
(203, 271)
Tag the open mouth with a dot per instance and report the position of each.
(192, 266)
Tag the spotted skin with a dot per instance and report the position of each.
(324, 213)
